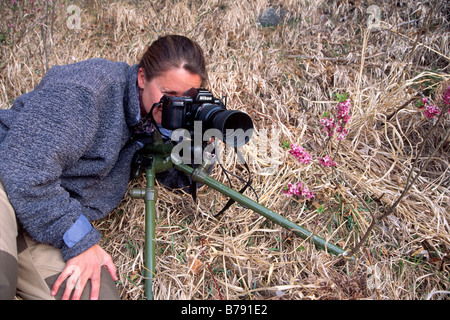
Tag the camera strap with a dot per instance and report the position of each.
(193, 190)
(247, 182)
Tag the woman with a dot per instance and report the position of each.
(65, 155)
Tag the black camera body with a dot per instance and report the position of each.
(233, 127)
(181, 112)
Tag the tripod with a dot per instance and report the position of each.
(160, 159)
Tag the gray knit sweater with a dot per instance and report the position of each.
(65, 151)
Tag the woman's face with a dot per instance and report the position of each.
(174, 82)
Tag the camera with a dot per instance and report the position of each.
(231, 126)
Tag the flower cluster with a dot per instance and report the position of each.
(303, 156)
(298, 190)
(332, 124)
(300, 154)
(342, 132)
(343, 116)
(327, 162)
(430, 110)
(343, 110)
(328, 122)
(328, 125)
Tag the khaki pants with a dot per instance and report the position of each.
(28, 268)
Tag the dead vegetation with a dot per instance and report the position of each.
(285, 76)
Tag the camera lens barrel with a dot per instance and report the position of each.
(236, 127)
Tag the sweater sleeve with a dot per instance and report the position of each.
(53, 129)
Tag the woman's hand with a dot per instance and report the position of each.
(80, 269)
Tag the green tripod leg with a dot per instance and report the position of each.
(149, 194)
(150, 221)
(199, 175)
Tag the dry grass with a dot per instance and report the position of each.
(285, 77)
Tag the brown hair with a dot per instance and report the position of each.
(174, 51)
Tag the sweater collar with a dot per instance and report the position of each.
(132, 109)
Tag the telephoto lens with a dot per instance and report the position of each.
(236, 127)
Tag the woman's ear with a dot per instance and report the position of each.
(141, 78)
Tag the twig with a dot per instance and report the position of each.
(409, 182)
(43, 27)
(52, 22)
(403, 106)
(372, 224)
(406, 190)
(44, 43)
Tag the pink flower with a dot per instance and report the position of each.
(342, 132)
(307, 194)
(290, 189)
(328, 125)
(298, 190)
(431, 111)
(300, 154)
(343, 109)
(446, 97)
(327, 162)
(342, 118)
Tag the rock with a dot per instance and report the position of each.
(271, 17)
